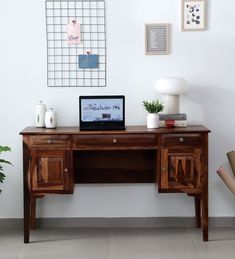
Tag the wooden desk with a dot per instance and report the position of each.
(175, 159)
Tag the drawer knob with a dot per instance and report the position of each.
(163, 170)
(66, 170)
(114, 140)
(181, 140)
(49, 141)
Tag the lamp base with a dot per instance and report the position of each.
(172, 104)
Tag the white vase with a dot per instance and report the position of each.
(153, 121)
(50, 119)
(40, 110)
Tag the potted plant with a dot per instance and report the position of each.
(3, 161)
(153, 108)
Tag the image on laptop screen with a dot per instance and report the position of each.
(102, 112)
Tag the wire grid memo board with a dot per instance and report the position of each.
(62, 59)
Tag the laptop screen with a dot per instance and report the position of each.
(102, 112)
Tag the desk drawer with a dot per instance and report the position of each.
(181, 139)
(59, 141)
(115, 140)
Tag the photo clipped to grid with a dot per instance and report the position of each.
(76, 60)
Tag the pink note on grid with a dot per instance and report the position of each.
(73, 32)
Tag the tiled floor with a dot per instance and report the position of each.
(118, 243)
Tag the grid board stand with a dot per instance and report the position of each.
(62, 59)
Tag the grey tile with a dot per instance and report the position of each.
(152, 243)
(113, 243)
(221, 243)
(67, 243)
(11, 243)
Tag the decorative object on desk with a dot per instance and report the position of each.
(40, 111)
(157, 38)
(193, 15)
(227, 178)
(88, 60)
(173, 120)
(73, 32)
(50, 119)
(172, 87)
(177, 116)
(231, 158)
(3, 161)
(173, 123)
(153, 108)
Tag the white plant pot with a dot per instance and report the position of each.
(40, 111)
(153, 121)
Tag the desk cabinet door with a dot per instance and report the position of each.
(180, 170)
(51, 172)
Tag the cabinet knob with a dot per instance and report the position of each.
(181, 140)
(163, 170)
(114, 140)
(66, 170)
(49, 141)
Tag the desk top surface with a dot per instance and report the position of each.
(128, 130)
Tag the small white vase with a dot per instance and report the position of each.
(40, 110)
(50, 119)
(153, 121)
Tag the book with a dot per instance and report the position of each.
(231, 159)
(176, 116)
(227, 178)
(173, 123)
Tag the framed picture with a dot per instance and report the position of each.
(193, 15)
(157, 38)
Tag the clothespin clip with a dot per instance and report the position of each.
(88, 52)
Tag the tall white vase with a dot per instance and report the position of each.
(40, 111)
(153, 121)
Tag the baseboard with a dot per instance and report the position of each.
(188, 222)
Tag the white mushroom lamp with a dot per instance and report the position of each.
(172, 87)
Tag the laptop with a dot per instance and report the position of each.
(106, 112)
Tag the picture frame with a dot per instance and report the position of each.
(157, 39)
(193, 15)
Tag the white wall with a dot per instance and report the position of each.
(205, 59)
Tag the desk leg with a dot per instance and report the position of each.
(33, 213)
(26, 193)
(204, 193)
(197, 203)
(26, 218)
(204, 203)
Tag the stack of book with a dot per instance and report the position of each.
(173, 120)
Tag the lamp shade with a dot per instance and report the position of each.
(172, 88)
(171, 85)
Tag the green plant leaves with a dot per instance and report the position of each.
(4, 149)
(153, 106)
(3, 161)
(2, 177)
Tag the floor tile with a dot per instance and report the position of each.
(67, 243)
(151, 243)
(116, 243)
